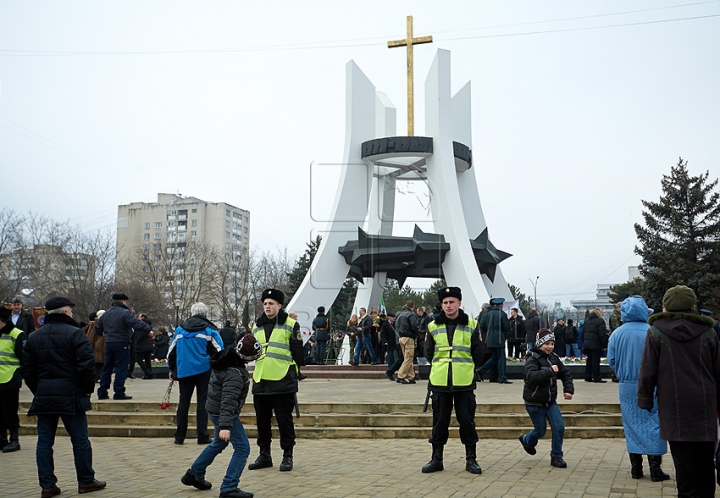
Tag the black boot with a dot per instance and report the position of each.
(3, 440)
(263, 460)
(636, 461)
(436, 461)
(656, 472)
(471, 464)
(287, 462)
(14, 444)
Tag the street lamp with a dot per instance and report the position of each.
(178, 303)
(534, 284)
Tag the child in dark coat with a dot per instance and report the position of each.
(542, 369)
(228, 388)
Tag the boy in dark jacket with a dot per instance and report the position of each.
(228, 389)
(542, 369)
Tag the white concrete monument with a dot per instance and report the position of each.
(358, 240)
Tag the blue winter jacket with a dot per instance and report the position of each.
(624, 354)
(194, 342)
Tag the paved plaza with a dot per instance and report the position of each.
(152, 467)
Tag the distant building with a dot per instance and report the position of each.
(45, 270)
(601, 301)
(168, 233)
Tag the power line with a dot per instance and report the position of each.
(352, 42)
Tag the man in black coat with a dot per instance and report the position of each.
(117, 325)
(228, 335)
(595, 339)
(321, 328)
(22, 319)
(59, 368)
(532, 325)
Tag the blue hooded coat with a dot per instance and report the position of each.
(624, 354)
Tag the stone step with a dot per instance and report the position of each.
(303, 432)
(346, 408)
(123, 419)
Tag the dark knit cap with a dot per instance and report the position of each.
(450, 292)
(544, 335)
(273, 294)
(248, 348)
(679, 298)
(5, 313)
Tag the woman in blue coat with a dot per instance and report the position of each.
(624, 354)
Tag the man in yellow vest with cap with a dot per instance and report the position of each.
(275, 378)
(454, 349)
(11, 347)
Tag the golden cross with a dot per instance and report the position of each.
(409, 42)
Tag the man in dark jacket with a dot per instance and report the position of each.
(11, 349)
(496, 325)
(144, 345)
(681, 363)
(194, 342)
(533, 324)
(516, 336)
(389, 339)
(117, 325)
(364, 337)
(595, 339)
(406, 325)
(22, 319)
(275, 378)
(59, 368)
(321, 328)
(454, 349)
(228, 335)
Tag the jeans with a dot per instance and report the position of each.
(365, 342)
(538, 414)
(187, 386)
(572, 350)
(497, 359)
(117, 357)
(391, 353)
(241, 451)
(76, 426)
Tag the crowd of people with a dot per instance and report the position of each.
(667, 366)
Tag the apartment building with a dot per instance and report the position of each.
(167, 234)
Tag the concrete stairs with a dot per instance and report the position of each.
(340, 420)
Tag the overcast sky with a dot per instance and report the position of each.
(579, 108)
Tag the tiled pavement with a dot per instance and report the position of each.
(352, 467)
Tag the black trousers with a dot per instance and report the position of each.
(187, 386)
(442, 404)
(592, 365)
(9, 402)
(143, 359)
(283, 406)
(694, 468)
(518, 349)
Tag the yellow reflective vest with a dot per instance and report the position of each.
(8, 361)
(456, 354)
(276, 359)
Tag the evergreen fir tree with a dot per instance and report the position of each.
(680, 240)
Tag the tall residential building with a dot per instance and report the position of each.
(173, 235)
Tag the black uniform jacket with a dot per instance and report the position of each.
(477, 349)
(289, 383)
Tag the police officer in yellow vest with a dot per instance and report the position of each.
(275, 378)
(11, 348)
(454, 349)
